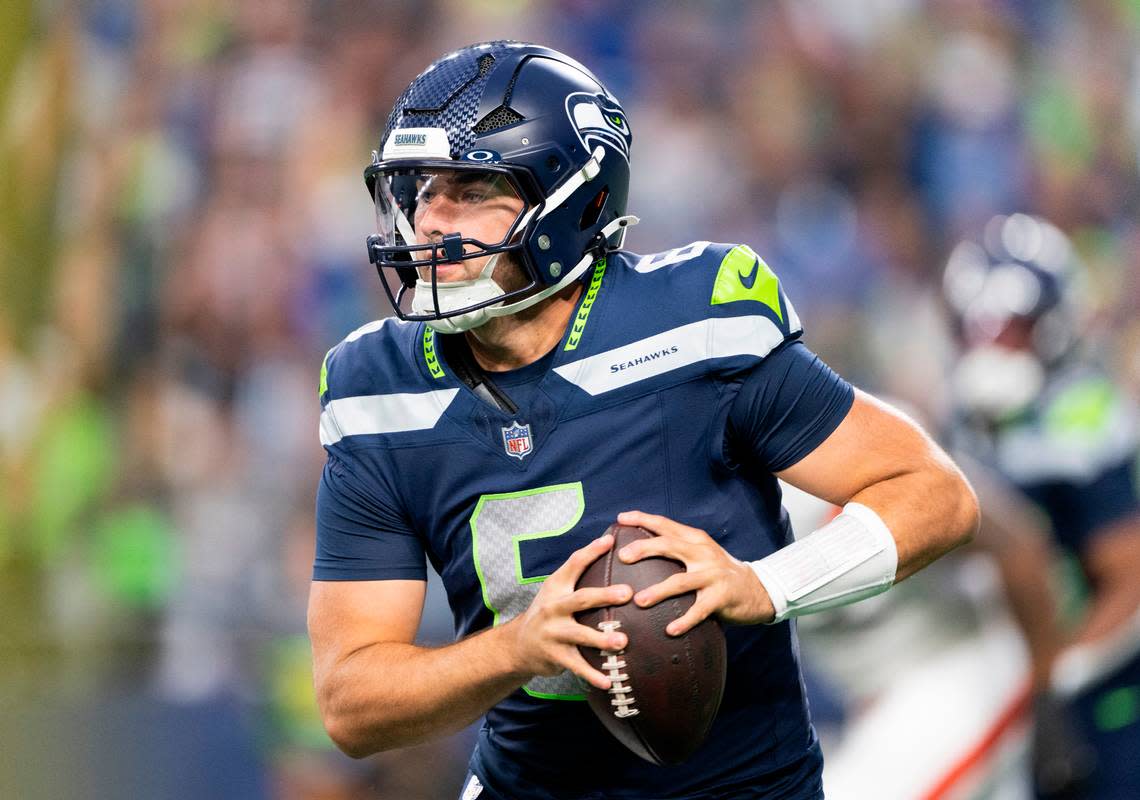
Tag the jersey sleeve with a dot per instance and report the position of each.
(786, 406)
(362, 534)
(359, 536)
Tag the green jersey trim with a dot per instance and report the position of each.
(430, 357)
(743, 275)
(323, 386)
(579, 326)
(1083, 409)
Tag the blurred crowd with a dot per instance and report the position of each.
(182, 225)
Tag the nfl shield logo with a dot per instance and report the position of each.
(516, 440)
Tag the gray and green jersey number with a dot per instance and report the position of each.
(499, 524)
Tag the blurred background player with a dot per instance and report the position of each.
(924, 694)
(986, 677)
(1033, 403)
(929, 694)
(974, 674)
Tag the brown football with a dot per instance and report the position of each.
(666, 689)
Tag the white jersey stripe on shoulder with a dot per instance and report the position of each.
(370, 327)
(794, 323)
(383, 413)
(716, 337)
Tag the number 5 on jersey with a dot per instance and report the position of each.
(499, 524)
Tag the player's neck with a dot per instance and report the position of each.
(519, 339)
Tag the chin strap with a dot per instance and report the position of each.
(622, 225)
(404, 228)
(466, 368)
(587, 173)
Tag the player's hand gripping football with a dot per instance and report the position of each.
(726, 587)
(547, 635)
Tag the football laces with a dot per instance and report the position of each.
(621, 693)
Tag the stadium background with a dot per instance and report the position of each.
(182, 223)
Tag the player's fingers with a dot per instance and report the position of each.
(594, 597)
(662, 526)
(655, 523)
(694, 616)
(572, 569)
(585, 636)
(657, 546)
(571, 632)
(581, 667)
(670, 587)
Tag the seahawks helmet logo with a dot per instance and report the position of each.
(599, 122)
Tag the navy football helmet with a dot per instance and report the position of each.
(1015, 299)
(517, 125)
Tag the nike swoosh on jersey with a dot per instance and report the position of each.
(748, 279)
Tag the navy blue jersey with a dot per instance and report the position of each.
(678, 388)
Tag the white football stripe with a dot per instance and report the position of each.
(370, 327)
(383, 413)
(717, 337)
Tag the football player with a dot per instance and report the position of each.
(1033, 404)
(541, 382)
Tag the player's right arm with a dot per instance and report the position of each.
(377, 690)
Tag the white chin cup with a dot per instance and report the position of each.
(995, 381)
(464, 293)
(459, 294)
(452, 296)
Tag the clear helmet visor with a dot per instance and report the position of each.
(450, 219)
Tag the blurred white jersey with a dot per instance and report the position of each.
(935, 678)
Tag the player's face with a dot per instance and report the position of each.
(476, 205)
(998, 372)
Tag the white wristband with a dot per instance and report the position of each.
(851, 558)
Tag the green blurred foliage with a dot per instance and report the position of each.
(1059, 125)
(134, 557)
(34, 121)
(292, 704)
(74, 467)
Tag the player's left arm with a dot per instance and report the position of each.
(909, 504)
